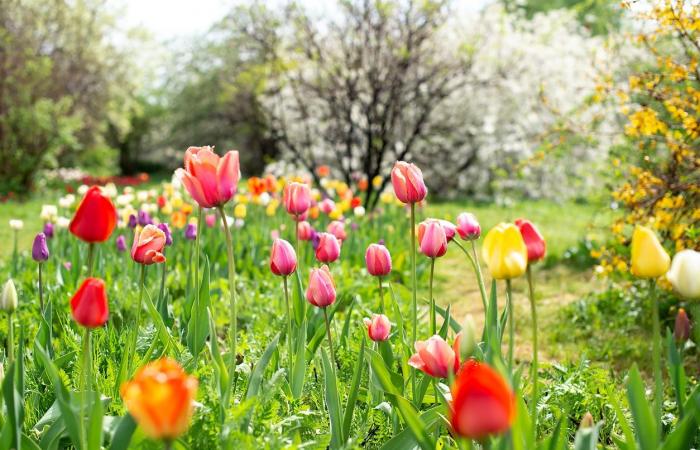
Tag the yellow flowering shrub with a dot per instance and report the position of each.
(658, 169)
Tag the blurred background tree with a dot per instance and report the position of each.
(598, 16)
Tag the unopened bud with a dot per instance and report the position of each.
(8, 301)
(468, 337)
(681, 331)
(587, 421)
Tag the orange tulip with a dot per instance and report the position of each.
(160, 397)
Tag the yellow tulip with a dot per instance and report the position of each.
(505, 252)
(239, 211)
(336, 214)
(649, 259)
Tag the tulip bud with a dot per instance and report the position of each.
(321, 289)
(378, 260)
(587, 421)
(40, 251)
(16, 224)
(684, 274)
(148, 245)
(337, 229)
(378, 327)
(166, 230)
(432, 238)
(505, 252)
(121, 243)
(191, 232)
(283, 259)
(468, 337)
(408, 183)
(89, 303)
(328, 249)
(210, 220)
(450, 229)
(681, 331)
(8, 302)
(435, 357)
(468, 226)
(649, 259)
(144, 218)
(95, 218)
(297, 198)
(534, 241)
(48, 230)
(327, 205)
(305, 232)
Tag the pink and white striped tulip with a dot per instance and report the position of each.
(432, 238)
(297, 198)
(321, 289)
(378, 260)
(378, 327)
(435, 357)
(468, 226)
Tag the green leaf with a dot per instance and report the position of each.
(346, 324)
(95, 423)
(257, 375)
(298, 300)
(682, 436)
(332, 402)
(645, 426)
(198, 326)
(354, 390)
(676, 372)
(587, 438)
(299, 370)
(123, 433)
(163, 333)
(623, 422)
(12, 428)
(404, 440)
(445, 313)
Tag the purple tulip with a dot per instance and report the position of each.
(121, 243)
(315, 239)
(48, 230)
(191, 232)
(132, 221)
(40, 251)
(144, 219)
(166, 230)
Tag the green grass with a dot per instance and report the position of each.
(28, 211)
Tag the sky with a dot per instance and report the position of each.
(173, 19)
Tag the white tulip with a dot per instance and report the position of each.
(684, 273)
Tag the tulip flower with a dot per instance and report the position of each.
(168, 234)
(133, 222)
(649, 259)
(482, 403)
(536, 246)
(378, 327)
(684, 274)
(89, 304)
(48, 230)
(160, 397)
(327, 205)
(435, 357)
(95, 218)
(337, 229)
(681, 330)
(8, 301)
(191, 232)
(432, 238)
(40, 251)
(240, 211)
(121, 243)
(144, 218)
(210, 180)
(505, 252)
(283, 259)
(468, 226)
(328, 249)
(148, 245)
(408, 183)
(297, 198)
(210, 220)
(304, 231)
(378, 260)
(321, 293)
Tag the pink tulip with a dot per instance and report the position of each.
(210, 220)
(297, 198)
(211, 181)
(301, 217)
(305, 232)
(378, 260)
(435, 357)
(283, 259)
(321, 289)
(328, 249)
(450, 229)
(337, 229)
(378, 327)
(468, 227)
(326, 205)
(148, 245)
(407, 179)
(432, 238)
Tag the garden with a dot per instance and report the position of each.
(443, 227)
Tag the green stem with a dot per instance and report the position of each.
(511, 324)
(433, 318)
(289, 328)
(14, 256)
(296, 244)
(139, 307)
(656, 358)
(232, 288)
(414, 284)
(533, 309)
(41, 290)
(86, 382)
(167, 444)
(91, 258)
(381, 295)
(328, 333)
(477, 271)
(10, 339)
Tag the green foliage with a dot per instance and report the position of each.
(598, 16)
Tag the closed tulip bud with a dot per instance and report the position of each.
(450, 229)
(685, 274)
(378, 260)
(587, 421)
(133, 222)
(40, 251)
(505, 252)
(378, 327)
(95, 218)
(148, 245)
(681, 330)
(435, 357)
(327, 205)
(144, 218)
(48, 230)
(337, 229)
(408, 183)
(89, 304)
(536, 246)
(210, 180)
(432, 238)
(468, 226)
(468, 337)
(8, 302)
(160, 397)
(321, 289)
(210, 220)
(305, 231)
(16, 224)
(328, 249)
(168, 234)
(482, 403)
(240, 211)
(191, 232)
(121, 243)
(283, 259)
(649, 259)
(297, 198)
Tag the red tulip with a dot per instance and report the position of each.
(297, 198)
(211, 180)
(321, 289)
(305, 232)
(482, 403)
(328, 249)
(95, 218)
(468, 227)
(432, 238)
(408, 183)
(536, 246)
(378, 260)
(378, 327)
(283, 259)
(148, 245)
(681, 330)
(89, 304)
(337, 229)
(435, 357)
